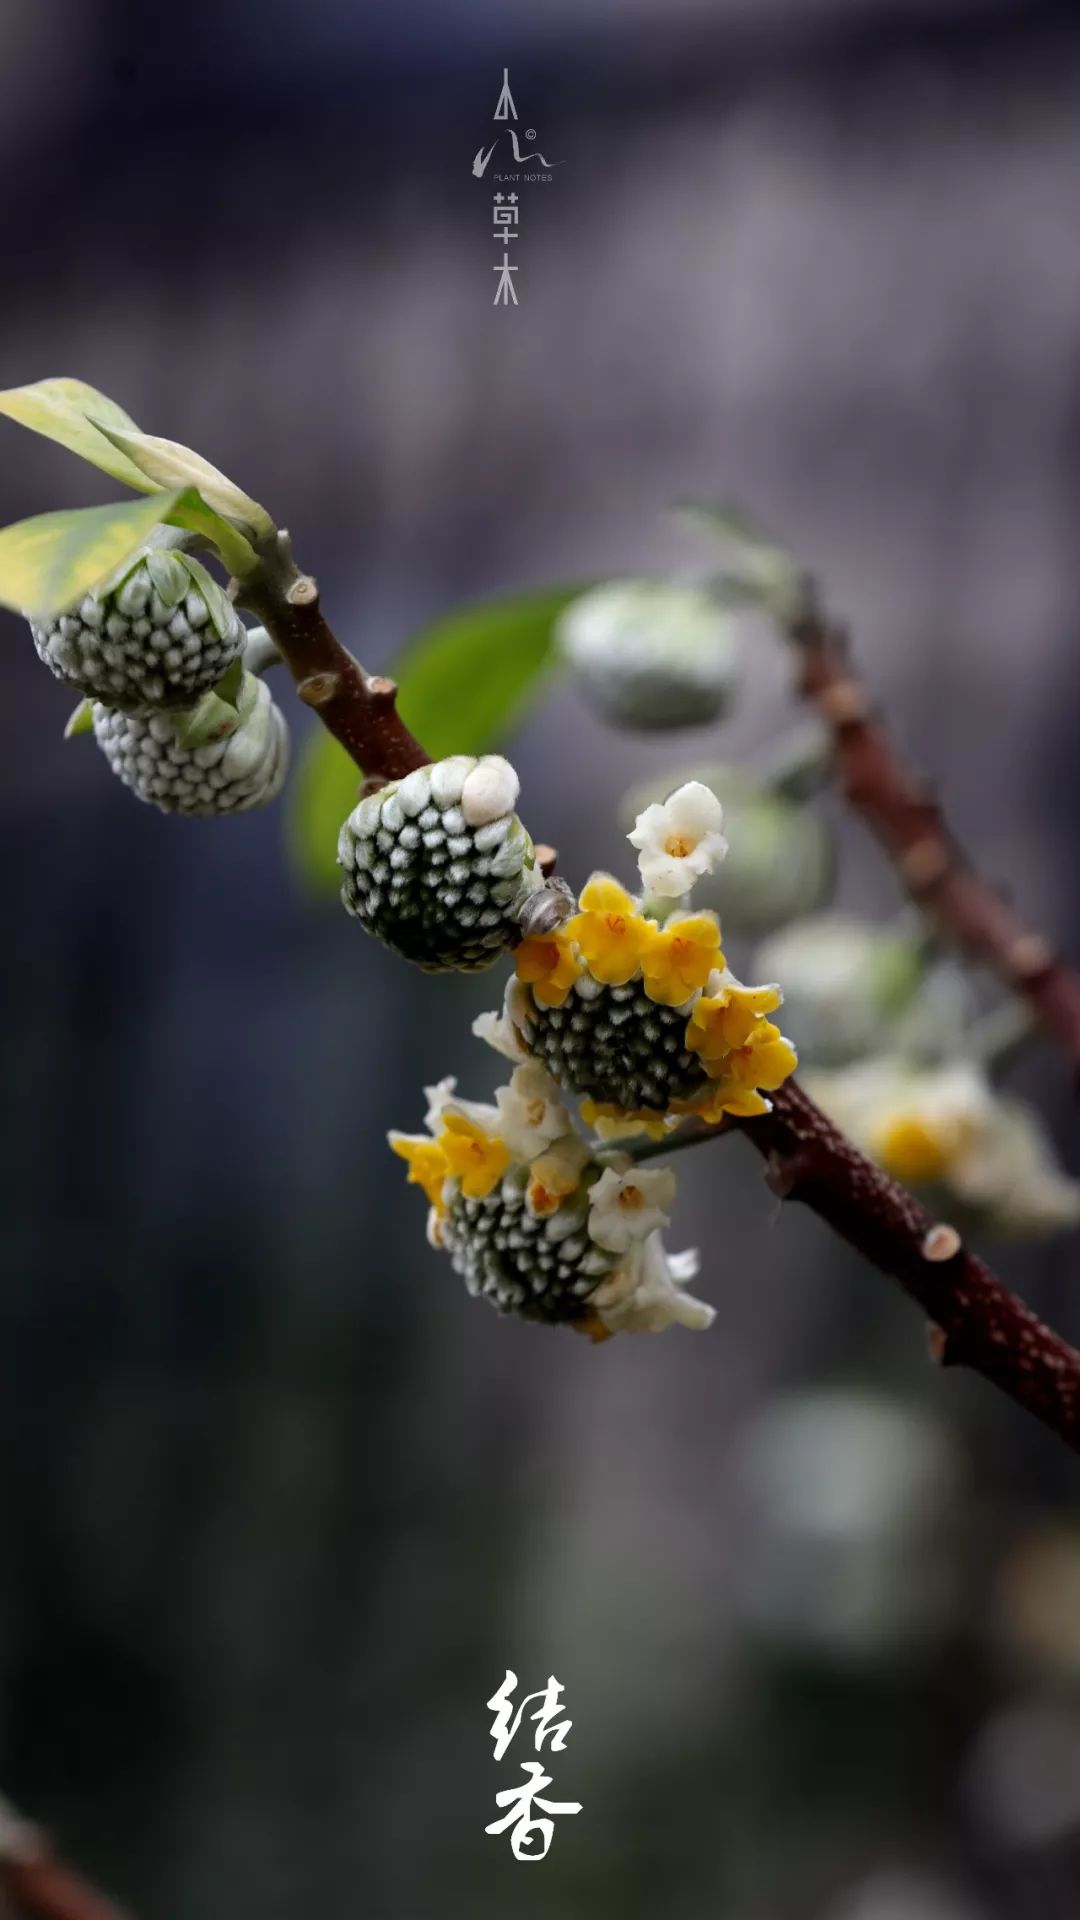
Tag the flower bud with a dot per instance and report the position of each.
(438, 866)
(780, 861)
(651, 654)
(157, 635)
(245, 768)
(845, 982)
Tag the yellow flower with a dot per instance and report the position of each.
(681, 956)
(766, 1060)
(549, 965)
(610, 932)
(427, 1164)
(617, 1123)
(556, 1173)
(723, 1021)
(915, 1151)
(474, 1157)
(720, 1098)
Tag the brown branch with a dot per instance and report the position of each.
(36, 1884)
(909, 823)
(358, 708)
(976, 1321)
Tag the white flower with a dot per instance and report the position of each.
(644, 1294)
(531, 1115)
(504, 1031)
(626, 1205)
(679, 841)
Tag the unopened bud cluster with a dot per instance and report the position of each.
(245, 768)
(147, 649)
(438, 866)
(651, 654)
(159, 636)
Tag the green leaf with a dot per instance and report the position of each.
(231, 684)
(49, 562)
(463, 685)
(61, 409)
(218, 714)
(81, 721)
(193, 513)
(168, 464)
(221, 610)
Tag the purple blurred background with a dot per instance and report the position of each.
(280, 1504)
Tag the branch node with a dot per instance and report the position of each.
(941, 1243)
(784, 1174)
(925, 864)
(319, 688)
(380, 689)
(303, 592)
(844, 703)
(546, 859)
(1029, 958)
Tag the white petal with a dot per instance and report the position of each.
(650, 828)
(695, 808)
(668, 878)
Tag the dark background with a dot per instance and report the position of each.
(279, 1503)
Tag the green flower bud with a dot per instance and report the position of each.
(846, 982)
(650, 654)
(245, 768)
(157, 635)
(438, 866)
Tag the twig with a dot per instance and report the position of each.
(910, 824)
(978, 1323)
(691, 1133)
(38, 1885)
(358, 708)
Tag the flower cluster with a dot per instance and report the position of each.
(243, 767)
(640, 1016)
(438, 866)
(147, 648)
(946, 1128)
(536, 1223)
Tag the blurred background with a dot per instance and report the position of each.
(279, 1503)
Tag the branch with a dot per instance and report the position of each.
(976, 1322)
(911, 826)
(358, 708)
(37, 1884)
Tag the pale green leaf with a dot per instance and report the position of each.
(168, 464)
(61, 409)
(463, 685)
(235, 552)
(49, 562)
(222, 612)
(81, 721)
